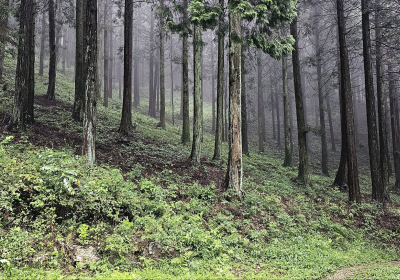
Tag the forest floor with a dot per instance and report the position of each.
(150, 214)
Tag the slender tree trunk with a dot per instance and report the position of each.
(185, 81)
(126, 126)
(382, 110)
(272, 111)
(328, 107)
(234, 174)
(106, 54)
(348, 115)
(111, 60)
(278, 118)
(226, 109)
(245, 141)
(261, 112)
(136, 89)
(4, 28)
(197, 112)
(64, 51)
(156, 86)
(53, 54)
(286, 113)
(89, 116)
(220, 89)
(395, 124)
(22, 113)
(212, 88)
(79, 100)
(152, 99)
(172, 83)
(119, 83)
(321, 97)
(373, 144)
(42, 45)
(301, 124)
(162, 72)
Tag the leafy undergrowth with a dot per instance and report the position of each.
(150, 214)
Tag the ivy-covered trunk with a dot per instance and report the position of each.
(234, 175)
(197, 112)
(89, 117)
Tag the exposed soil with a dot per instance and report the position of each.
(348, 272)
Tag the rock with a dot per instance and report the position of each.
(87, 255)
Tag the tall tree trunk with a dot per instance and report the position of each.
(245, 141)
(234, 174)
(197, 112)
(395, 124)
(126, 126)
(119, 82)
(301, 124)
(172, 83)
(156, 86)
(136, 89)
(373, 144)
(286, 113)
(64, 50)
(162, 71)
(152, 99)
(185, 80)
(53, 53)
(348, 115)
(106, 50)
(261, 112)
(111, 60)
(212, 88)
(328, 107)
(22, 112)
(278, 118)
(272, 111)
(79, 100)
(42, 45)
(321, 97)
(89, 116)
(382, 110)
(4, 28)
(220, 89)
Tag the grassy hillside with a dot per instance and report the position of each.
(149, 214)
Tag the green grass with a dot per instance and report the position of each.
(50, 200)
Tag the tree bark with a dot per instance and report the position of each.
(245, 141)
(53, 52)
(79, 100)
(235, 168)
(395, 124)
(212, 88)
(22, 112)
(328, 107)
(126, 127)
(197, 112)
(373, 144)
(4, 28)
(278, 117)
(301, 124)
(136, 88)
(162, 72)
(106, 50)
(172, 83)
(347, 115)
(152, 98)
(42, 45)
(261, 112)
(286, 113)
(185, 80)
(220, 88)
(321, 97)
(89, 116)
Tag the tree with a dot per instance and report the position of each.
(395, 124)
(301, 125)
(375, 167)
(42, 43)
(220, 86)
(152, 90)
(4, 31)
(22, 113)
(91, 90)
(245, 141)
(185, 76)
(286, 115)
(349, 163)
(79, 100)
(261, 113)
(234, 175)
(162, 70)
(106, 51)
(126, 126)
(53, 53)
(321, 97)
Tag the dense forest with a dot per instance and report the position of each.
(199, 139)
